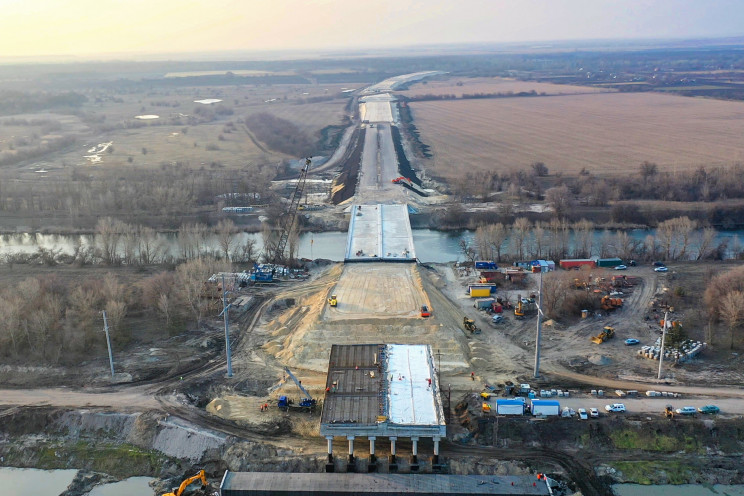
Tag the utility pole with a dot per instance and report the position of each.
(225, 308)
(663, 335)
(108, 342)
(538, 335)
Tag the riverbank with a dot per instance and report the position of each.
(621, 450)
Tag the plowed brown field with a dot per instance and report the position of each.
(607, 133)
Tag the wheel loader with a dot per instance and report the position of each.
(607, 333)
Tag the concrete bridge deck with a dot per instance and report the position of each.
(380, 233)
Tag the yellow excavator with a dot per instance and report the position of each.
(200, 476)
(333, 301)
(607, 333)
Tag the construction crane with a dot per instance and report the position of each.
(306, 403)
(179, 491)
(287, 220)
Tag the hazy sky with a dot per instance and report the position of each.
(84, 27)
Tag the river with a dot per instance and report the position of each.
(431, 245)
(35, 482)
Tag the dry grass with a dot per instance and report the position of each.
(168, 144)
(607, 133)
(491, 85)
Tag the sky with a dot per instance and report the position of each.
(94, 27)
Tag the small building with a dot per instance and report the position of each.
(510, 407)
(543, 266)
(546, 407)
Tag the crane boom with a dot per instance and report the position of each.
(288, 219)
(299, 384)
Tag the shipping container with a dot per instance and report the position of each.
(546, 407)
(492, 276)
(523, 264)
(609, 262)
(486, 265)
(480, 292)
(483, 303)
(577, 263)
(510, 407)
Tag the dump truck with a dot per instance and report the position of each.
(609, 303)
(607, 333)
(469, 325)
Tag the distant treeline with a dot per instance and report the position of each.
(471, 96)
(18, 102)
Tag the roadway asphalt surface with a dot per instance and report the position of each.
(379, 168)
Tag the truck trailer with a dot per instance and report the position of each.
(577, 263)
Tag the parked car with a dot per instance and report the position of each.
(686, 410)
(632, 263)
(497, 319)
(593, 413)
(709, 409)
(582, 414)
(621, 267)
(661, 269)
(659, 264)
(631, 342)
(615, 407)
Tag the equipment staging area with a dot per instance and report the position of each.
(376, 390)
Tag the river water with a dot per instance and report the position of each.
(431, 245)
(35, 482)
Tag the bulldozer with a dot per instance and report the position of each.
(469, 325)
(607, 333)
(180, 489)
(333, 301)
(669, 412)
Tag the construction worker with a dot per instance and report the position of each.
(472, 376)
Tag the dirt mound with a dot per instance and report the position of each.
(600, 359)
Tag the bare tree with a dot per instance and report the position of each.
(583, 232)
(246, 252)
(226, 236)
(109, 234)
(520, 231)
(151, 250)
(705, 242)
(559, 198)
(732, 312)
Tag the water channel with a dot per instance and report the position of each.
(431, 245)
(36, 482)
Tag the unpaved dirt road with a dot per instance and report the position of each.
(135, 399)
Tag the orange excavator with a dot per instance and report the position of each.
(200, 476)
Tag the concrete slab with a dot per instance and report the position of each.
(380, 233)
